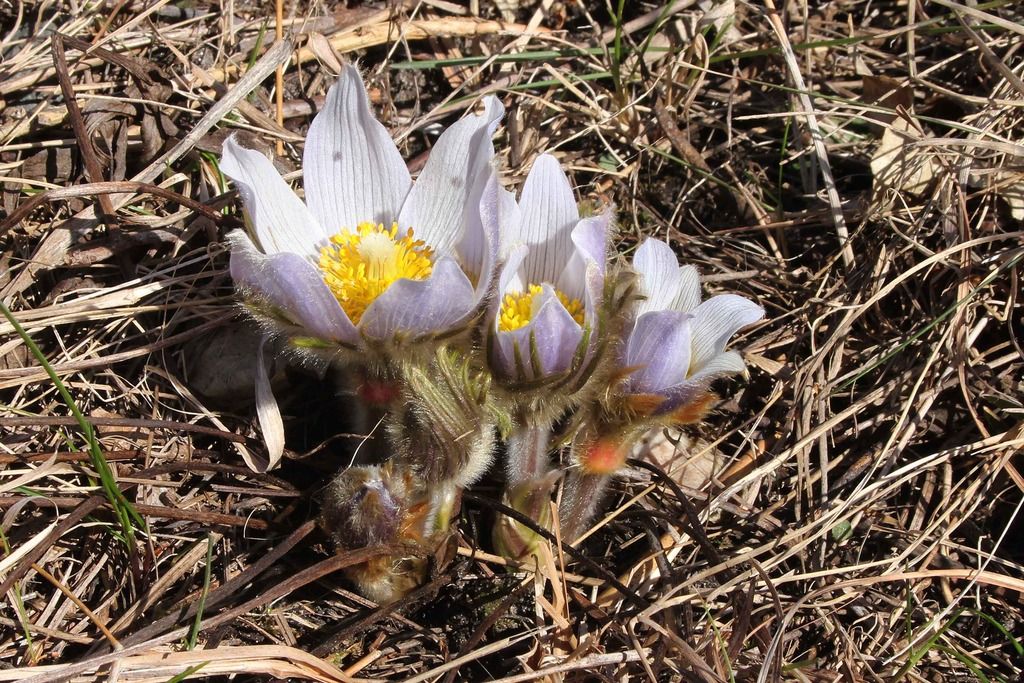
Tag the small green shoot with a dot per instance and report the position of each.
(19, 604)
(193, 635)
(842, 531)
(187, 673)
(617, 52)
(125, 512)
(254, 54)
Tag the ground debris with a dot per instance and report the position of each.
(851, 511)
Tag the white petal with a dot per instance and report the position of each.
(726, 363)
(281, 221)
(351, 167)
(548, 214)
(590, 255)
(688, 297)
(662, 281)
(445, 201)
(269, 415)
(510, 277)
(715, 321)
(509, 218)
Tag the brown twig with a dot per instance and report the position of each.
(158, 511)
(93, 169)
(102, 189)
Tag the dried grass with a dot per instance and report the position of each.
(857, 513)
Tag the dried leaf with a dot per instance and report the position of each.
(885, 92)
(324, 52)
(719, 14)
(1010, 186)
(899, 163)
(690, 463)
(722, 15)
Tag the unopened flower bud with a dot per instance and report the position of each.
(603, 456)
(379, 506)
(445, 430)
(365, 506)
(516, 540)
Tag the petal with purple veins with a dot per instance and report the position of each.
(419, 307)
(725, 363)
(548, 214)
(281, 221)
(444, 202)
(294, 286)
(688, 297)
(352, 170)
(665, 284)
(715, 322)
(659, 349)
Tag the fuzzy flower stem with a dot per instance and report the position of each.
(530, 480)
(527, 449)
(378, 394)
(580, 496)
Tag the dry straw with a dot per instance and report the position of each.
(858, 515)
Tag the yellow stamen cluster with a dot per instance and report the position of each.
(517, 309)
(358, 266)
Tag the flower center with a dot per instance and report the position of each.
(517, 310)
(358, 266)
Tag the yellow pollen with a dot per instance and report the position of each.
(358, 266)
(517, 309)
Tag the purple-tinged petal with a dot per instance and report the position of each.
(552, 333)
(491, 213)
(659, 349)
(665, 284)
(444, 203)
(294, 286)
(548, 214)
(352, 170)
(417, 307)
(281, 221)
(583, 276)
(715, 321)
(478, 250)
(679, 395)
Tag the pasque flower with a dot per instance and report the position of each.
(369, 256)
(546, 320)
(550, 286)
(673, 348)
(676, 345)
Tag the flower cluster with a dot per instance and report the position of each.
(477, 322)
